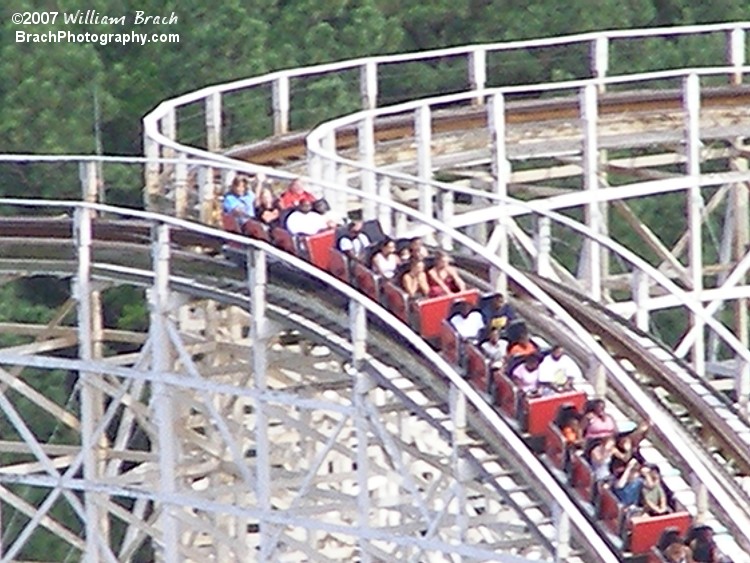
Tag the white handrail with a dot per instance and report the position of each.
(546, 207)
(605, 37)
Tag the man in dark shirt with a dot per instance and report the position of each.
(497, 313)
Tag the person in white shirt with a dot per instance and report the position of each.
(305, 221)
(468, 322)
(386, 260)
(558, 370)
(495, 348)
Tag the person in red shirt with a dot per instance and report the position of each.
(294, 195)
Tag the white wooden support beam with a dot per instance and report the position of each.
(366, 148)
(385, 212)
(163, 399)
(206, 194)
(600, 60)
(89, 394)
(701, 500)
(446, 210)
(89, 175)
(151, 174)
(691, 104)
(597, 375)
(501, 171)
(640, 290)
(742, 384)
(458, 412)
(400, 225)
(330, 169)
(181, 186)
(423, 137)
(543, 243)
(358, 332)
(213, 122)
(593, 255)
(257, 273)
(168, 127)
(740, 205)
(281, 103)
(315, 168)
(368, 84)
(478, 71)
(362, 386)
(736, 53)
(561, 521)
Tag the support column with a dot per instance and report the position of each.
(598, 377)
(362, 386)
(91, 397)
(740, 201)
(691, 104)
(151, 174)
(163, 397)
(207, 194)
(603, 179)
(562, 533)
(206, 189)
(423, 137)
(213, 122)
(600, 60)
(385, 213)
(280, 93)
(445, 214)
(314, 168)
(742, 385)
(736, 54)
(478, 72)
(366, 146)
(329, 171)
(368, 84)
(90, 329)
(181, 187)
(168, 126)
(501, 176)
(257, 280)
(457, 403)
(593, 255)
(640, 290)
(543, 241)
(701, 500)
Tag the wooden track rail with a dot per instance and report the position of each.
(729, 435)
(282, 149)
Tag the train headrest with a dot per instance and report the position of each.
(373, 230)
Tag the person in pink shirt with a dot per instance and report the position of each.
(596, 422)
(526, 374)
